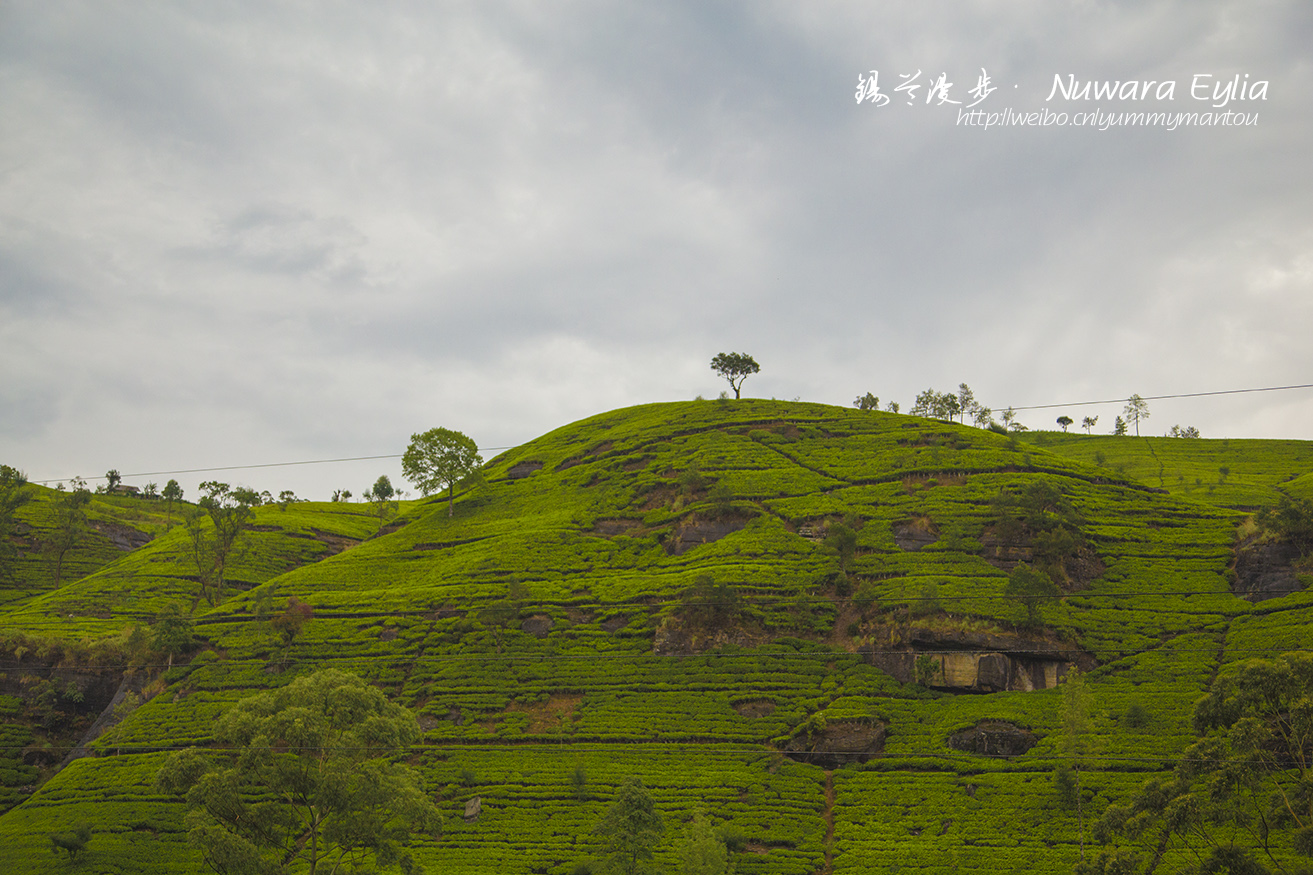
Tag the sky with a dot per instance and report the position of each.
(248, 233)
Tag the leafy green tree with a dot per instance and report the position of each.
(708, 605)
(112, 478)
(841, 543)
(172, 632)
(867, 402)
(1243, 791)
(13, 495)
(630, 828)
(1119, 426)
(1075, 740)
(1065, 421)
(734, 367)
(71, 842)
(1290, 521)
(440, 458)
(215, 546)
(1088, 423)
(70, 526)
(286, 499)
(380, 495)
(170, 493)
(1030, 588)
(289, 623)
(1136, 409)
(308, 783)
(702, 851)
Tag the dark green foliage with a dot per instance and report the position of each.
(1290, 521)
(13, 495)
(173, 632)
(928, 669)
(310, 781)
(630, 829)
(215, 528)
(734, 367)
(289, 623)
(70, 525)
(841, 543)
(708, 606)
(440, 458)
(70, 842)
(1137, 716)
(1031, 589)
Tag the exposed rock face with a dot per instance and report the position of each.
(840, 743)
(473, 809)
(123, 537)
(538, 625)
(521, 470)
(993, 738)
(912, 537)
(1264, 571)
(695, 531)
(981, 662)
(755, 708)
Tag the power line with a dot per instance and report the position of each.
(1163, 397)
(513, 446)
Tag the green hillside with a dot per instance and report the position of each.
(662, 592)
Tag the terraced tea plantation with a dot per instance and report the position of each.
(794, 617)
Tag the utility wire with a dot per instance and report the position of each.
(513, 446)
(1162, 397)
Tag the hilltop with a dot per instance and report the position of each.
(793, 615)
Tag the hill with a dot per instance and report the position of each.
(792, 615)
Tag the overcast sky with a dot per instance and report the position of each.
(251, 232)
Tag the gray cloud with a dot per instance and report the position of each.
(244, 233)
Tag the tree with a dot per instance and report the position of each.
(1065, 421)
(214, 547)
(630, 828)
(1242, 790)
(702, 852)
(981, 416)
(440, 458)
(172, 492)
(286, 499)
(841, 542)
(1030, 588)
(1088, 423)
(112, 478)
(867, 402)
(892, 407)
(1009, 418)
(1290, 521)
(13, 495)
(1136, 409)
(966, 401)
(292, 620)
(380, 495)
(72, 842)
(70, 524)
(1188, 431)
(173, 632)
(1076, 726)
(734, 367)
(309, 784)
(1119, 426)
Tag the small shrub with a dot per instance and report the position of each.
(1137, 716)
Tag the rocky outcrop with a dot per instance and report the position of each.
(980, 662)
(1265, 571)
(838, 744)
(996, 738)
(696, 530)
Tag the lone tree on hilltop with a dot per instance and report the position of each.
(1088, 423)
(867, 402)
(214, 547)
(1065, 422)
(440, 458)
(172, 492)
(307, 782)
(1136, 409)
(735, 367)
